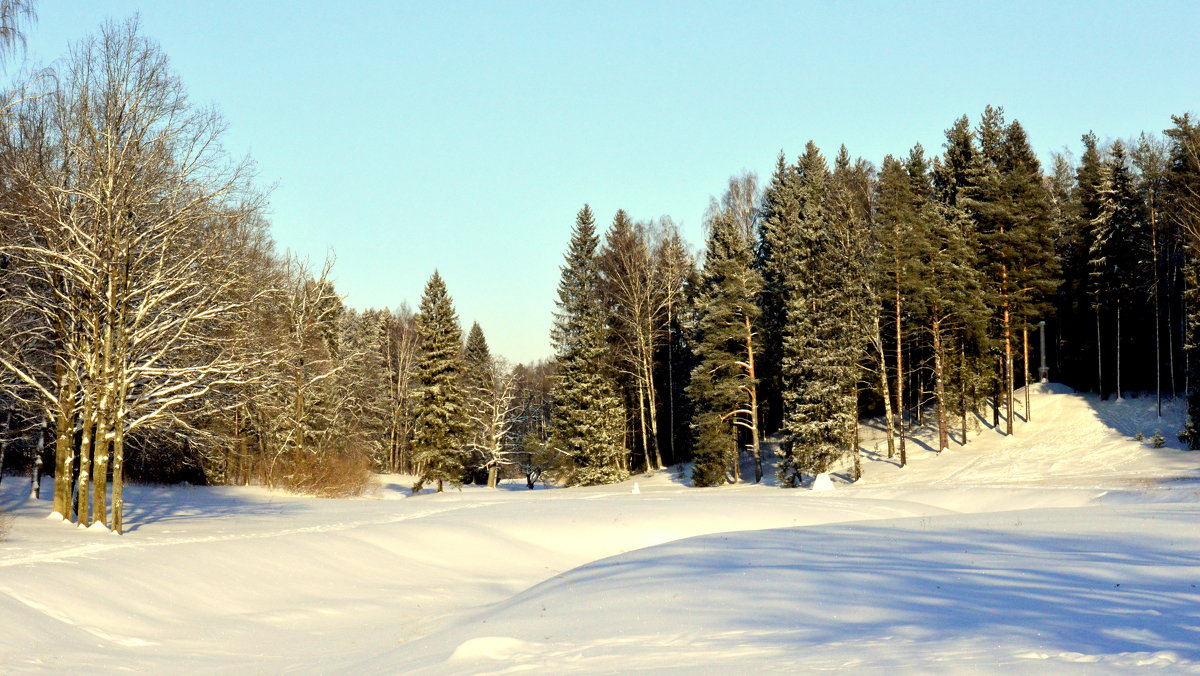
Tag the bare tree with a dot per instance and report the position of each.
(124, 195)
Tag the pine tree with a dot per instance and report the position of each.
(588, 418)
(724, 383)
(440, 421)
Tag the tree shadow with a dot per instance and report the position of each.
(1091, 593)
(152, 504)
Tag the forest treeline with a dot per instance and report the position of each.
(153, 332)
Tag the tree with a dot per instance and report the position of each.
(587, 424)
(128, 278)
(1183, 205)
(14, 16)
(896, 218)
(822, 338)
(724, 384)
(633, 297)
(439, 427)
(1118, 256)
(775, 255)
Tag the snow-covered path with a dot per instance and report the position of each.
(1069, 543)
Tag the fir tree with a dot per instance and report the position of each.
(588, 418)
(440, 420)
(724, 383)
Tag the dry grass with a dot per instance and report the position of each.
(5, 525)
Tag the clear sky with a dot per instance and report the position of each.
(464, 136)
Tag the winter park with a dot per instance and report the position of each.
(358, 340)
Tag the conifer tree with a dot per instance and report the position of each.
(774, 258)
(440, 420)
(479, 385)
(822, 335)
(1117, 251)
(724, 383)
(1183, 186)
(588, 418)
(895, 221)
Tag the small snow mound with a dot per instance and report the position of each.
(55, 516)
(492, 648)
(97, 527)
(636, 489)
(823, 482)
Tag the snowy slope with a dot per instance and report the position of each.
(1068, 547)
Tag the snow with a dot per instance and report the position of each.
(1068, 547)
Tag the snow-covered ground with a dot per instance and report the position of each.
(1069, 547)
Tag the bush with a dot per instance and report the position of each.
(1139, 437)
(1157, 440)
(327, 473)
(5, 524)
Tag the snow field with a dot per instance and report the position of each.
(1068, 547)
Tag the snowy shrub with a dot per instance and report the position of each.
(5, 523)
(1157, 440)
(1139, 437)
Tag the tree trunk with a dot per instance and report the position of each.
(962, 388)
(35, 473)
(1099, 357)
(4, 441)
(671, 381)
(118, 471)
(900, 380)
(998, 393)
(100, 472)
(652, 402)
(1008, 367)
(752, 390)
(1119, 392)
(1025, 369)
(641, 396)
(939, 384)
(83, 515)
(888, 415)
(1156, 290)
(492, 475)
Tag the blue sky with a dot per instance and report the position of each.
(464, 136)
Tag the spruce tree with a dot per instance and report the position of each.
(439, 414)
(724, 382)
(820, 358)
(775, 255)
(588, 418)
(479, 383)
